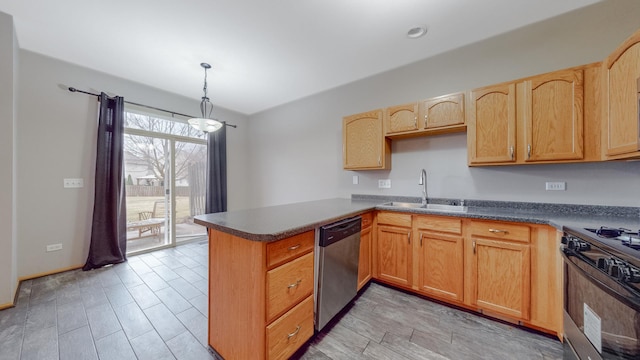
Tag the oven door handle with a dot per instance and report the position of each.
(633, 303)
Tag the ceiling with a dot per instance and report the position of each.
(263, 53)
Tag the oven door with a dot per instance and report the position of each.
(601, 315)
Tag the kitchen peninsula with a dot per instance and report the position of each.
(261, 299)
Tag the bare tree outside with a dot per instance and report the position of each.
(152, 152)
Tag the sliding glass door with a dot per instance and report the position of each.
(165, 182)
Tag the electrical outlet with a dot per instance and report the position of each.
(384, 184)
(556, 185)
(54, 247)
(73, 183)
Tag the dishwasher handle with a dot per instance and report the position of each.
(332, 233)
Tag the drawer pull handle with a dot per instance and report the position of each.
(294, 247)
(498, 231)
(474, 247)
(294, 333)
(295, 284)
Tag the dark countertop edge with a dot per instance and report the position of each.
(556, 215)
(283, 234)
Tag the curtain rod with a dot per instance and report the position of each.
(72, 89)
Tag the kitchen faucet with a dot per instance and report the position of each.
(423, 181)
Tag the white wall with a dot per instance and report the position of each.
(8, 59)
(296, 149)
(56, 136)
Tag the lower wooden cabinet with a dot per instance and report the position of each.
(394, 254)
(440, 261)
(501, 277)
(512, 271)
(264, 303)
(500, 268)
(366, 243)
(291, 330)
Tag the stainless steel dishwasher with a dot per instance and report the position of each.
(338, 253)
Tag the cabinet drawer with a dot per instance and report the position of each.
(440, 224)
(290, 331)
(367, 220)
(288, 284)
(393, 218)
(500, 230)
(279, 252)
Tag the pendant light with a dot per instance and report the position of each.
(205, 123)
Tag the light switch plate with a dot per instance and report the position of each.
(384, 184)
(355, 180)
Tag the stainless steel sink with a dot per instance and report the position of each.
(434, 207)
(443, 207)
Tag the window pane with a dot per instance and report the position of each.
(155, 124)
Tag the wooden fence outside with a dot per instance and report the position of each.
(145, 190)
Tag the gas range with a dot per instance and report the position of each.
(618, 242)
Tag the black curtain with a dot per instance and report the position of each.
(216, 197)
(109, 228)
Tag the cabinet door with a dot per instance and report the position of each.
(502, 278)
(364, 146)
(364, 265)
(621, 72)
(440, 265)
(491, 126)
(552, 111)
(394, 254)
(442, 111)
(401, 118)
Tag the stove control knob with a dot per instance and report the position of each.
(584, 246)
(634, 275)
(614, 269)
(604, 264)
(564, 240)
(624, 273)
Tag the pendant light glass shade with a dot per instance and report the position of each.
(205, 123)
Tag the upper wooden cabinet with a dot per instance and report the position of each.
(546, 118)
(364, 146)
(491, 132)
(442, 114)
(442, 111)
(401, 118)
(552, 108)
(621, 70)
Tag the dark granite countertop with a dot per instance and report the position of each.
(278, 222)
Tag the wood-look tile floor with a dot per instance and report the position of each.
(384, 323)
(155, 307)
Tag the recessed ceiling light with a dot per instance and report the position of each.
(416, 32)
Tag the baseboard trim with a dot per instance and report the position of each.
(35, 276)
(47, 273)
